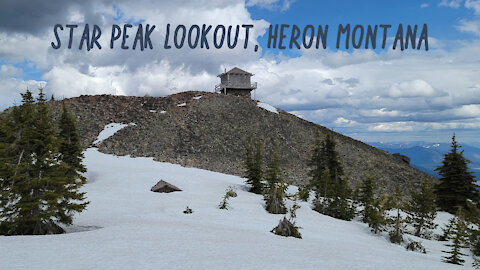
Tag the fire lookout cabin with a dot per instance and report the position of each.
(236, 82)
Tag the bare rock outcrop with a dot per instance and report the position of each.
(208, 130)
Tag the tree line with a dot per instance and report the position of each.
(396, 213)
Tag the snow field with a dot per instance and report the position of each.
(126, 226)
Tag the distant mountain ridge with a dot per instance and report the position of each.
(428, 156)
(209, 131)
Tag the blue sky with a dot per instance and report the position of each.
(441, 19)
(370, 95)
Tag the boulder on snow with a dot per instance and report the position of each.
(164, 187)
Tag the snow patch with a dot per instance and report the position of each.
(109, 130)
(267, 107)
(432, 146)
(126, 226)
(163, 112)
(152, 111)
(198, 97)
(182, 105)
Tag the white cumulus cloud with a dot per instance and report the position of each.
(391, 127)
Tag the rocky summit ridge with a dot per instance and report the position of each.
(209, 131)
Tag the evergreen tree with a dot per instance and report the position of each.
(458, 237)
(397, 222)
(22, 193)
(472, 213)
(188, 211)
(374, 208)
(12, 124)
(332, 158)
(475, 248)
(224, 203)
(70, 156)
(446, 231)
(322, 186)
(276, 187)
(274, 171)
(254, 165)
(6, 159)
(70, 149)
(230, 192)
(356, 197)
(339, 206)
(274, 198)
(378, 217)
(457, 184)
(248, 161)
(41, 192)
(325, 185)
(317, 165)
(325, 157)
(476, 262)
(6, 139)
(303, 193)
(293, 210)
(328, 180)
(367, 191)
(422, 209)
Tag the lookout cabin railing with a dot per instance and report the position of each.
(220, 87)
